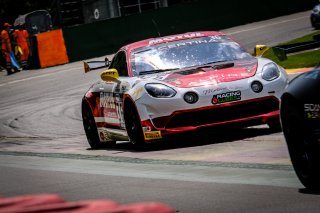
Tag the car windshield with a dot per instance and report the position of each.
(185, 53)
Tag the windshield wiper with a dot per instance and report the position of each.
(156, 71)
(215, 62)
(217, 65)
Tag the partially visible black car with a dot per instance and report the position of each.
(315, 17)
(300, 118)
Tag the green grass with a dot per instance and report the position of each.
(299, 60)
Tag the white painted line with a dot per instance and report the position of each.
(39, 76)
(267, 25)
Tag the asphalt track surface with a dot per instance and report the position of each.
(43, 148)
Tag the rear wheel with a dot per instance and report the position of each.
(133, 125)
(90, 127)
(302, 148)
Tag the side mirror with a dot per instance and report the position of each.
(110, 75)
(260, 49)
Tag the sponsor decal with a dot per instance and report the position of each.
(312, 111)
(210, 91)
(216, 38)
(313, 115)
(311, 107)
(104, 135)
(206, 40)
(111, 106)
(152, 135)
(107, 100)
(172, 38)
(226, 97)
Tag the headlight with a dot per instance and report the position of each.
(270, 72)
(160, 91)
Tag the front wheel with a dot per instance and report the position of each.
(133, 125)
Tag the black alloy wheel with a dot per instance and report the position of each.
(133, 125)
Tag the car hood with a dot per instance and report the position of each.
(216, 74)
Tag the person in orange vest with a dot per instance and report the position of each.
(21, 36)
(6, 46)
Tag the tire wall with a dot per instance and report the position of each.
(105, 37)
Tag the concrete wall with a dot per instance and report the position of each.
(105, 37)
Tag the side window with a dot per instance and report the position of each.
(120, 63)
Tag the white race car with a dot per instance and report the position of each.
(160, 87)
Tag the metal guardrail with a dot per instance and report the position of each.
(281, 51)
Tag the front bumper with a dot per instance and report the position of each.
(242, 113)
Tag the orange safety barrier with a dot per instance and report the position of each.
(51, 48)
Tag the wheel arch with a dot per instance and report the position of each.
(85, 102)
(133, 122)
(128, 102)
(92, 99)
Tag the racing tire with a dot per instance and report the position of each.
(133, 126)
(302, 148)
(90, 127)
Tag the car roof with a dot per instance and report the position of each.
(169, 38)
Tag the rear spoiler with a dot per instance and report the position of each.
(93, 65)
(281, 51)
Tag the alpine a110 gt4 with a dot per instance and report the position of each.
(161, 87)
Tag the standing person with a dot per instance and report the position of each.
(6, 46)
(21, 36)
(2, 57)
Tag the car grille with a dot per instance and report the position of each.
(216, 114)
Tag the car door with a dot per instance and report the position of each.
(112, 94)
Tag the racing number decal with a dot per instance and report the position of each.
(111, 106)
